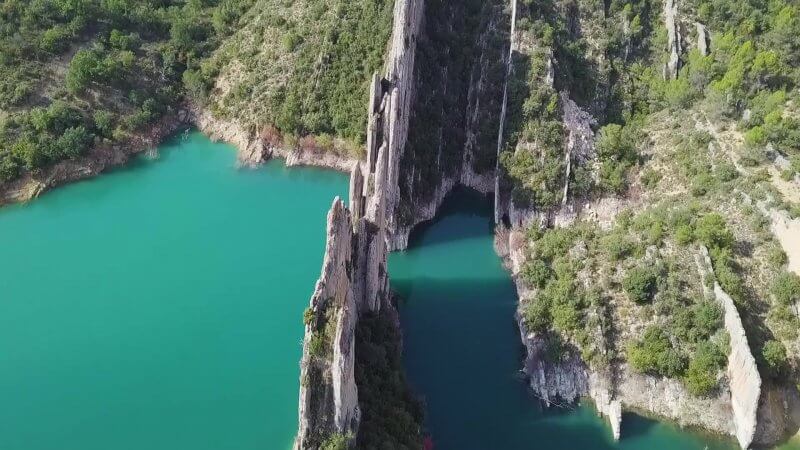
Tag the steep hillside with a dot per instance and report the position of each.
(640, 138)
(79, 79)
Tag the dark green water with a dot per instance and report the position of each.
(160, 307)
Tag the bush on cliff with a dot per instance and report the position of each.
(701, 375)
(654, 354)
(641, 284)
(774, 357)
(786, 288)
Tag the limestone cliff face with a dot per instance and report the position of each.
(450, 108)
(671, 23)
(733, 410)
(354, 279)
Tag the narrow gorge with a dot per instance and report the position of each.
(439, 119)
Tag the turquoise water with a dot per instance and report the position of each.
(462, 349)
(160, 307)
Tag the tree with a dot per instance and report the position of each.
(83, 69)
(654, 354)
(701, 375)
(74, 142)
(617, 153)
(786, 288)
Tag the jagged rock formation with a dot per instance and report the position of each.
(580, 138)
(702, 38)
(354, 280)
(673, 39)
(564, 382)
(743, 376)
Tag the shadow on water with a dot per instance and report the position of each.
(460, 201)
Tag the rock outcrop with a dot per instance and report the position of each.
(354, 279)
(702, 38)
(673, 39)
(743, 376)
(563, 382)
(445, 108)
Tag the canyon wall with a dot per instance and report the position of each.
(453, 112)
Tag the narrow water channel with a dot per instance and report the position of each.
(463, 352)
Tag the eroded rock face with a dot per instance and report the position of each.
(673, 39)
(353, 281)
(702, 39)
(354, 278)
(448, 142)
(565, 381)
(580, 138)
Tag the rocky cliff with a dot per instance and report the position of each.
(453, 107)
(354, 280)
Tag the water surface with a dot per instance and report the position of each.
(160, 306)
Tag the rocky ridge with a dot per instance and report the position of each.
(354, 279)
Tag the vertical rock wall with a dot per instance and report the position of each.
(454, 112)
(743, 377)
(673, 39)
(354, 279)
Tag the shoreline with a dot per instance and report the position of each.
(251, 152)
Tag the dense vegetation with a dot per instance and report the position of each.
(586, 278)
(613, 68)
(391, 415)
(303, 68)
(79, 73)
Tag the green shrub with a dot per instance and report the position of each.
(654, 354)
(308, 316)
(786, 288)
(537, 315)
(617, 246)
(617, 153)
(641, 284)
(536, 272)
(701, 184)
(701, 375)
(684, 234)
(713, 232)
(726, 171)
(774, 357)
(336, 441)
(650, 178)
(317, 347)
